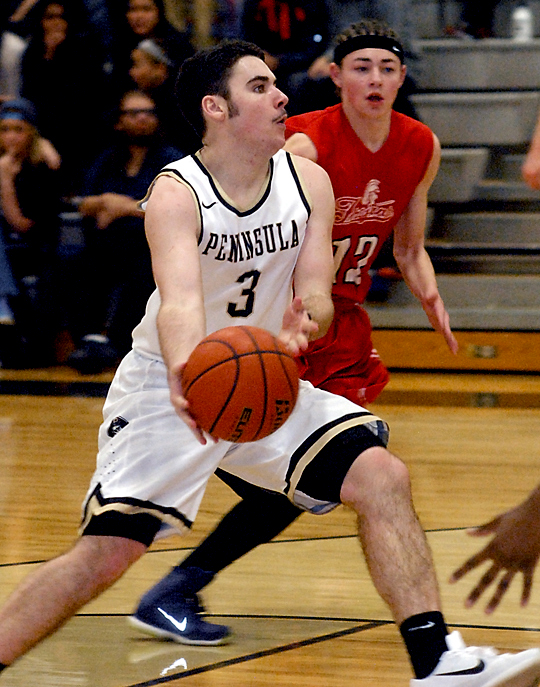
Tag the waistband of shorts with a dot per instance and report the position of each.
(147, 356)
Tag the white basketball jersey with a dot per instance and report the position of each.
(247, 257)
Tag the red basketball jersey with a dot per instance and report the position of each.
(371, 189)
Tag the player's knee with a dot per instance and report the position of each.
(374, 476)
(108, 558)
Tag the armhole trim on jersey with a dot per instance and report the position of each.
(175, 174)
(299, 183)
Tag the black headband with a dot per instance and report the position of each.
(368, 41)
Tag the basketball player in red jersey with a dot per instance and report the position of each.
(381, 165)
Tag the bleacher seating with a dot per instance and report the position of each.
(482, 99)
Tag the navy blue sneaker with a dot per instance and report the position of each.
(172, 610)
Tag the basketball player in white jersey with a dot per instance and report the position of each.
(154, 462)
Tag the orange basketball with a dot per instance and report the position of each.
(241, 383)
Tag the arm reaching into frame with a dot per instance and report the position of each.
(514, 548)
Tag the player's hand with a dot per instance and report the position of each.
(113, 207)
(515, 548)
(440, 320)
(297, 327)
(10, 165)
(319, 68)
(181, 405)
(531, 170)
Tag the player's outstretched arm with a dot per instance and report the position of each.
(412, 258)
(514, 548)
(312, 312)
(531, 167)
(172, 226)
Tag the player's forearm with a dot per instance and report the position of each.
(418, 273)
(180, 328)
(10, 206)
(321, 309)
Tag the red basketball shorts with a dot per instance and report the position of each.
(344, 361)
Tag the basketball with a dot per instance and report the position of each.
(241, 384)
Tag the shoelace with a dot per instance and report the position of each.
(194, 603)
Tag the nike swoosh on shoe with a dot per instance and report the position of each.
(468, 671)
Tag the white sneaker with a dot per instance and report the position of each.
(473, 666)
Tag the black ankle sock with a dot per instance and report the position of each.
(2, 667)
(424, 636)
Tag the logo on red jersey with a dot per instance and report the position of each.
(366, 208)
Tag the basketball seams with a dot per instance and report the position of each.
(229, 397)
(252, 395)
(264, 377)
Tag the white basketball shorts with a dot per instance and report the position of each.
(149, 462)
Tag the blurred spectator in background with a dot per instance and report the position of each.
(154, 73)
(146, 19)
(62, 75)
(116, 276)
(478, 17)
(30, 203)
(292, 34)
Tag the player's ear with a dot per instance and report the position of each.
(214, 106)
(335, 73)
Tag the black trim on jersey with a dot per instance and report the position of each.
(129, 501)
(222, 200)
(186, 182)
(338, 450)
(301, 193)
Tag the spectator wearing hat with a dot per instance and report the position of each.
(30, 202)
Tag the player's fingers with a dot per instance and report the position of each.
(483, 530)
(297, 304)
(451, 341)
(469, 565)
(502, 587)
(527, 587)
(485, 581)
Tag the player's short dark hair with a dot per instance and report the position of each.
(366, 27)
(207, 73)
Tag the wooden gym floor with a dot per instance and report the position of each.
(302, 608)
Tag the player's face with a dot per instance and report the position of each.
(369, 80)
(16, 136)
(256, 106)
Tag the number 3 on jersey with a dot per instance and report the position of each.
(250, 280)
(364, 251)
